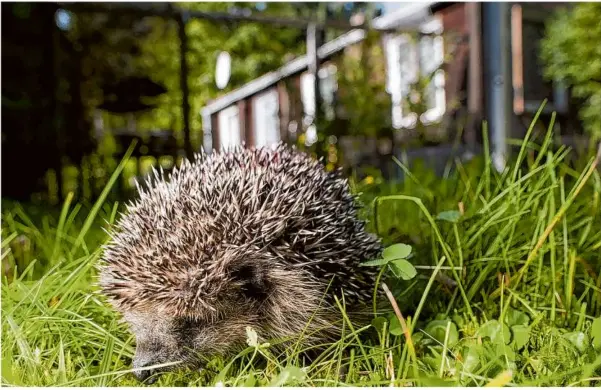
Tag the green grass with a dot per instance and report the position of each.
(507, 290)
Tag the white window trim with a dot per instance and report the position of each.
(432, 26)
(261, 132)
(394, 79)
(307, 94)
(226, 131)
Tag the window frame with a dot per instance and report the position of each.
(261, 132)
(225, 119)
(519, 16)
(329, 73)
(395, 77)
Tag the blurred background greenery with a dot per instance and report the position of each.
(62, 69)
(78, 87)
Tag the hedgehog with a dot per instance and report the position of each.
(259, 238)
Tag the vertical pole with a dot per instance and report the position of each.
(497, 73)
(183, 79)
(313, 43)
(507, 71)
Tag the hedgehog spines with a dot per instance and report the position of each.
(276, 205)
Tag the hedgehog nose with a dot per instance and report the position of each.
(142, 374)
(145, 376)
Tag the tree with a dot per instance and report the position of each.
(571, 51)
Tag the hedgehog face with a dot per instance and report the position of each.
(254, 297)
(249, 298)
(174, 343)
(159, 340)
(180, 343)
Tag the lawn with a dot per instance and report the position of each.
(498, 281)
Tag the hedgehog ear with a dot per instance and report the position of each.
(252, 279)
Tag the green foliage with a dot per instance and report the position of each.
(542, 330)
(398, 251)
(395, 257)
(572, 54)
(596, 333)
(126, 46)
(497, 333)
(403, 269)
(362, 92)
(437, 329)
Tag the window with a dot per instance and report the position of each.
(266, 117)
(402, 73)
(307, 94)
(327, 87)
(527, 31)
(229, 127)
(407, 62)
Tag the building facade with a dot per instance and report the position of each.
(483, 58)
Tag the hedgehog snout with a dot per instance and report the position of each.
(141, 373)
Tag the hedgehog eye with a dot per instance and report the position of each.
(252, 282)
(181, 323)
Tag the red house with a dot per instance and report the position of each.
(494, 73)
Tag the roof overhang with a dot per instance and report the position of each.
(409, 16)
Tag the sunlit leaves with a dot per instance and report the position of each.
(395, 257)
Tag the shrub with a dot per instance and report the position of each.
(572, 54)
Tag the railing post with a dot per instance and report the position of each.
(313, 43)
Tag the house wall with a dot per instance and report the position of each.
(456, 24)
(455, 28)
(528, 87)
(215, 130)
(247, 113)
(249, 126)
(244, 119)
(243, 112)
(292, 121)
(284, 114)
